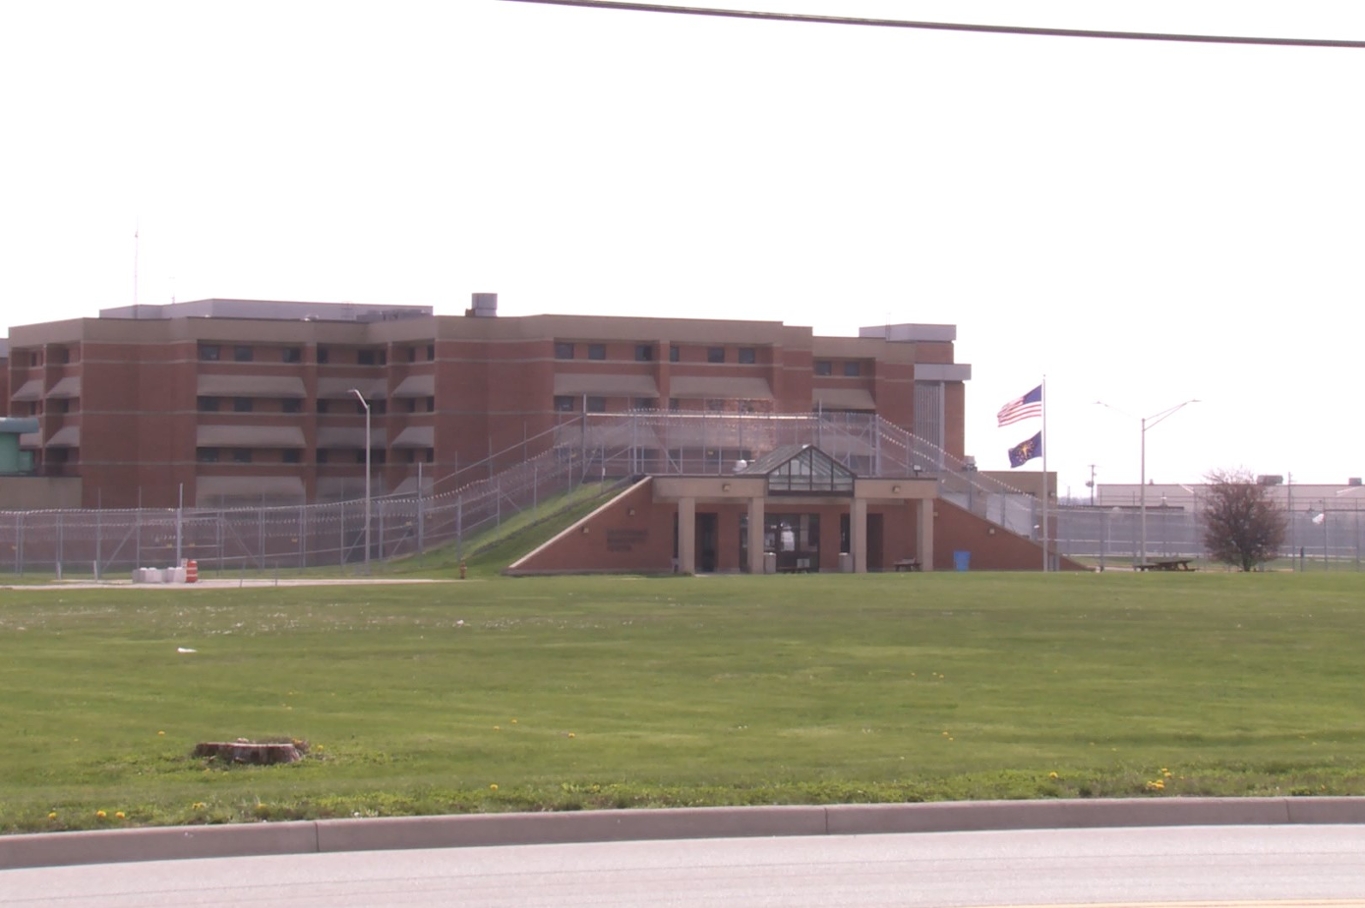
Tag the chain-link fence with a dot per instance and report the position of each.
(106, 543)
(1316, 539)
(601, 447)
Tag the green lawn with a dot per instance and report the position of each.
(569, 693)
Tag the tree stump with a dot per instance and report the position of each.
(253, 752)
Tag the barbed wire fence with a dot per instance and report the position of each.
(601, 448)
(107, 543)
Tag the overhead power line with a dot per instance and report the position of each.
(945, 26)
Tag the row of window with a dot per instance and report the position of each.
(38, 407)
(246, 353)
(378, 456)
(569, 404)
(852, 368)
(61, 355)
(378, 406)
(644, 353)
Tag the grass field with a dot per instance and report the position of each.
(574, 693)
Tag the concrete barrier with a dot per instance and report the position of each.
(472, 830)
(111, 846)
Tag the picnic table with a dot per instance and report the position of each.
(1170, 564)
(907, 564)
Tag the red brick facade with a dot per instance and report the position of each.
(255, 406)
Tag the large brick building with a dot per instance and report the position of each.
(242, 401)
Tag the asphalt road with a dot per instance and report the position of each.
(1212, 865)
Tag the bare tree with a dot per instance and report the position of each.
(1242, 525)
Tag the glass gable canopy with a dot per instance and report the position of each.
(805, 470)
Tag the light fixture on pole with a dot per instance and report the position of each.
(1147, 423)
(366, 404)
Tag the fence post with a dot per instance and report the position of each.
(382, 510)
(303, 536)
(459, 526)
(19, 544)
(59, 545)
(341, 546)
(421, 512)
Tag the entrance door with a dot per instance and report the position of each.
(874, 542)
(706, 543)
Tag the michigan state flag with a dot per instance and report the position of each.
(1025, 451)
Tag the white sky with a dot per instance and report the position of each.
(1143, 223)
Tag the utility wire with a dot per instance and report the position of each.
(944, 26)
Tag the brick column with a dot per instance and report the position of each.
(687, 535)
(924, 534)
(857, 534)
(756, 535)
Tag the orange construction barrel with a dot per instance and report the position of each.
(191, 571)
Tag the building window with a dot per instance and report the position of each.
(292, 405)
(380, 406)
(644, 353)
(748, 356)
(63, 354)
(564, 403)
(431, 405)
(291, 355)
(243, 354)
(824, 367)
(563, 350)
(645, 403)
(61, 405)
(674, 353)
(853, 368)
(206, 455)
(322, 405)
(322, 455)
(431, 352)
(410, 405)
(241, 455)
(379, 456)
(365, 357)
(597, 405)
(291, 455)
(430, 454)
(674, 405)
(715, 354)
(412, 354)
(210, 352)
(322, 354)
(36, 358)
(597, 351)
(360, 456)
(715, 405)
(208, 405)
(241, 404)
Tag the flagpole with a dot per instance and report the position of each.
(1045, 495)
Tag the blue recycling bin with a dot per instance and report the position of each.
(962, 561)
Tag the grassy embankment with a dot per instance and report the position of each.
(586, 692)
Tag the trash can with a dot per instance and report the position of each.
(962, 561)
(770, 562)
(845, 563)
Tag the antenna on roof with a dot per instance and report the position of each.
(137, 229)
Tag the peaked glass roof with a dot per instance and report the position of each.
(802, 469)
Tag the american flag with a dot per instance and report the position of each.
(1021, 408)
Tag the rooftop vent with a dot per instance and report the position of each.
(485, 306)
(1353, 481)
(1269, 480)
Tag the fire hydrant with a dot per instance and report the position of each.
(463, 570)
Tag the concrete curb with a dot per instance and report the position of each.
(473, 830)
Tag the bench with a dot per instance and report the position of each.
(907, 564)
(1173, 564)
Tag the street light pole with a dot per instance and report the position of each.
(366, 404)
(1147, 422)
